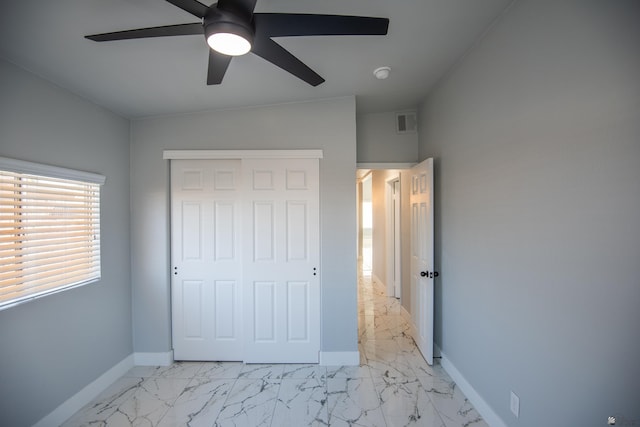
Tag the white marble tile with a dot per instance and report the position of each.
(397, 368)
(354, 402)
(363, 356)
(385, 360)
(381, 349)
(386, 306)
(361, 371)
(175, 370)
(421, 367)
(199, 403)
(451, 404)
(150, 402)
(106, 405)
(301, 371)
(405, 403)
(223, 370)
(376, 335)
(180, 370)
(301, 402)
(142, 371)
(263, 371)
(405, 341)
(250, 403)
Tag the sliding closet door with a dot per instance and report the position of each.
(281, 260)
(206, 269)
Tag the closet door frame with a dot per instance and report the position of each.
(266, 155)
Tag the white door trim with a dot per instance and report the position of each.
(240, 154)
(392, 242)
(384, 166)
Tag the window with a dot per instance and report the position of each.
(49, 230)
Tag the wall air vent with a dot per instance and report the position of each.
(406, 122)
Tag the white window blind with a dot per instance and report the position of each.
(49, 230)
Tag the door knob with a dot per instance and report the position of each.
(424, 273)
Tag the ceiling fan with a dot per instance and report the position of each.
(231, 28)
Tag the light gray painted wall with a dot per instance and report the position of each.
(536, 136)
(379, 142)
(379, 221)
(327, 125)
(52, 347)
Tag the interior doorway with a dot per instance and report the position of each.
(366, 226)
(384, 226)
(393, 240)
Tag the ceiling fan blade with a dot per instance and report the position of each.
(192, 6)
(277, 55)
(141, 33)
(292, 24)
(218, 65)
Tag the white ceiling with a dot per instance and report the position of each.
(149, 77)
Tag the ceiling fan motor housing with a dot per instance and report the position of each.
(222, 21)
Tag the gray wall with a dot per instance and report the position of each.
(52, 347)
(377, 140)
(327, 125)
(536, 136)
(379, 223)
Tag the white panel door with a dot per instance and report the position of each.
(422, 270)
(281, 260)
(206, 269)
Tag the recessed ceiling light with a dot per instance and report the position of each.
(382, 73)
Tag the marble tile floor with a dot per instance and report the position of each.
(393, 386)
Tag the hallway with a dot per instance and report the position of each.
(393, 386)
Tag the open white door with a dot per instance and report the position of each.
(422, 268)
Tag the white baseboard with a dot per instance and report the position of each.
(153, 359)
(86, 395)
(339, 358)
(483, 408)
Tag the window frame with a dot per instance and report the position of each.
(44, 172)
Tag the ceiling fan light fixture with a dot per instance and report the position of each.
(229, 38)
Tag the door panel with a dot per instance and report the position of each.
(192, 318)
(422, 265)
(225, 310)
(206, 285)
(297, 230)
(298, 311)
(283, 323)
(263, 230)
(225, 231)
(264, 312)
